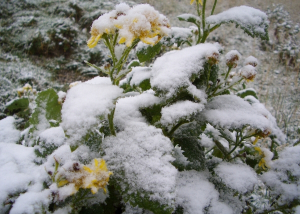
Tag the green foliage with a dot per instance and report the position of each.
(152, 113)
(187, 138)
(247, 92)
(47, 108)
(189, 18)
(19, 107)
(147, 53)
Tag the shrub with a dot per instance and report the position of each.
(168, 134)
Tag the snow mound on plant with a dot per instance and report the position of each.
(85, 103)
(195, 193)
(180, 110)
(243, 15)
(8, 132)
(127, 109)
(174, 69)
(19, 173)
(287, 187)
(230, 111)
(237, 176)
(140, 158)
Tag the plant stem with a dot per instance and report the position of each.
(213, 9)
(226, 76)
(111, 122)
(176, 127)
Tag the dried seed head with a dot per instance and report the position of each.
(232, 57)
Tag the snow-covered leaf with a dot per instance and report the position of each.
(253, 21)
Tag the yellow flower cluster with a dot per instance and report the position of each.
(94, 177)
(141, 22)
(26, 88)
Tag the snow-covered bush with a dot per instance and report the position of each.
(168, 134)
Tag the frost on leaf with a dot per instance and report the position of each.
(140, 158)
(253, 21)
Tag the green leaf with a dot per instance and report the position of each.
(152, 113)
(189, 18)
(146, 53)
(47, 108)
(247, 92)
(187, 138)
(145, 85)
(19, 107)
(133, 63)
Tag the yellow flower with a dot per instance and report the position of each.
(92, 177)
(199, 1)
(262, 163)
(98, 176)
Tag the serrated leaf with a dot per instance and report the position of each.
(47, 109)
(247, 92)
(152, 113)
(187, 138)
(146, 53)
(253, 21)
(188, 18)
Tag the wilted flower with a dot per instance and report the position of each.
(248, 73)
(61, 96)
(212, 58)
(232, 57)
(251, 61)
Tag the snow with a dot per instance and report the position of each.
(18, 171)
(277, 179)
(174, 69)
(230, 111)
(138, 75)
(54, 136)
(85, 103)
(171, 115)
(248, 72)
(140, 158)
(195, 192)
(251, 60)
(127, 109)
(250, 18)
(8, 132)
(239, 177)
